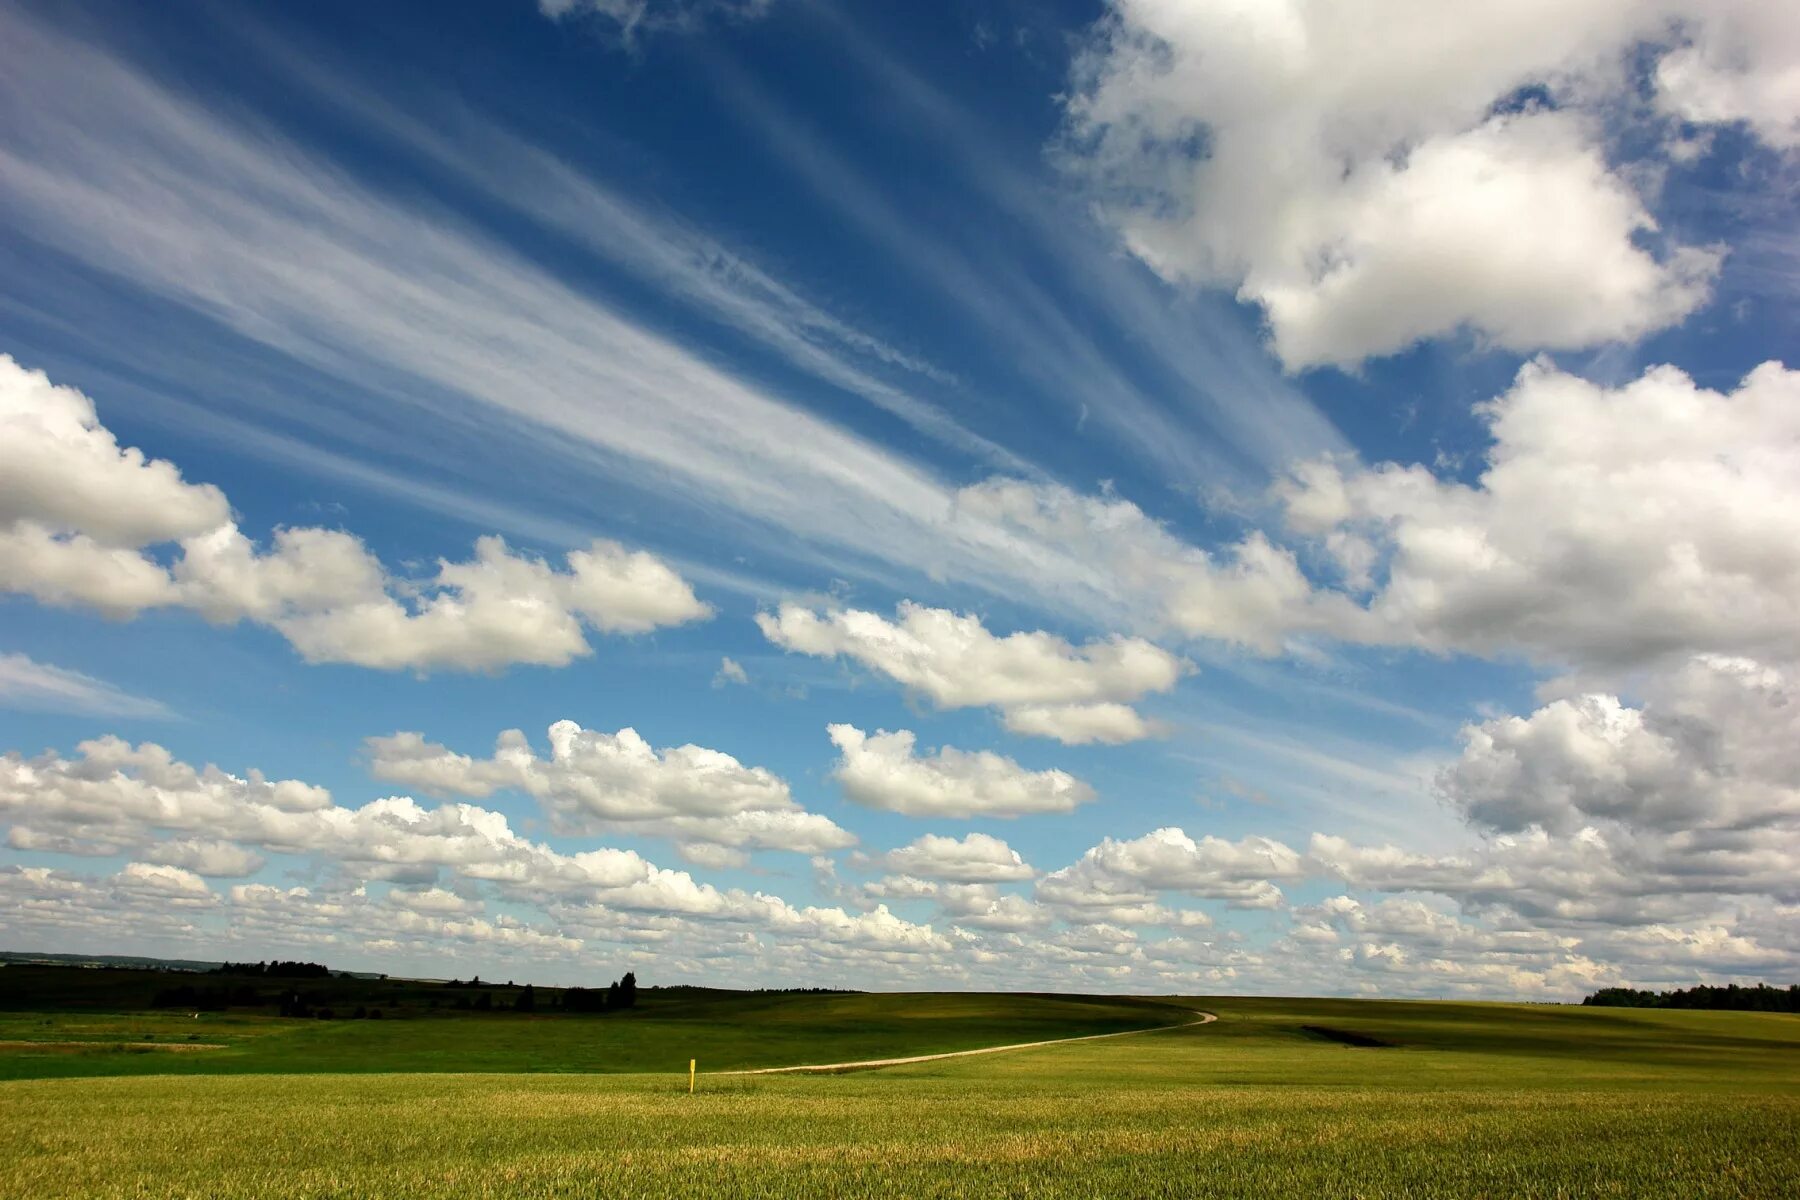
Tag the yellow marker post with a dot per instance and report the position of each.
(691, 1063)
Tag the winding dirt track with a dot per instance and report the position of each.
(1205, 1018)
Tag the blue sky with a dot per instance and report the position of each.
(1318, 514)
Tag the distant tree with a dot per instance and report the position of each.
(484, 1002)
(527, 1001)
(584, 1000)
(1761, 998)
(627, 997)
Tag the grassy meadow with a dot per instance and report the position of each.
(1456, 1100)
(724, 1030)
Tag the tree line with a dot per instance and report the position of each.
(1761, 998)
(274, 970)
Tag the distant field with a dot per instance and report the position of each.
(725, 1031)
(1460, 1100)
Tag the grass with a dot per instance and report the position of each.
(725, 1031)
(1466, 1100)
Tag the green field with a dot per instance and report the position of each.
(725, 1031)
(1461, 1100)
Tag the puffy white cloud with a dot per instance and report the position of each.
(968, 905)
(164, 884)
(882, 770)
(74, 569)
(128, 794)
(1371, 173)
(41, 687)
(79, 516)
(1542, 913)
(705, 798)
(218, 860)
(1392, 869)
(1716, 746)
(1129, 875)
(60, 468)
(1740, 64)
(974, 858)
(328, 596)
(953, 659)
(1081, 724)
(1609, 526)
(1254, 594)
(137, 901)
(434, 900)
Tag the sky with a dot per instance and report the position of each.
(1128, 495)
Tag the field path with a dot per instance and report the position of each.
(1205, 1018)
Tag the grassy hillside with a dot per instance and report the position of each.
(1461, 1100)
(724, 1030)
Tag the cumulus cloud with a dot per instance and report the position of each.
(730, 671)
(1368, 173)
(953, 659)
(883, 770)
(1252, 593)
(81, 521)
(1742, 63)
(1540, 913)
(1716, 746)
(974, 858)
(1116, 878)
(596, 780)
(969, 906)
(1610, 526)
(114, 798)
(218, 860)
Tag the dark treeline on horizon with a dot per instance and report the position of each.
(274, 970)
(1733, 997)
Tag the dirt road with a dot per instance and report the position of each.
(872, 1063)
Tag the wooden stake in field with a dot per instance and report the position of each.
(691, 1063)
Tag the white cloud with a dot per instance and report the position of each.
(952, 658)
(1367, 172)
(1740, 64)
(1130, 875)
(128, 794)
(882, 770)
(61, 469)
(79, 515)
(1715, 747)
(1252, 593)
(967, 905)
(433, 900)
(601, 780)
(1081, 724)
(1542, 913)
(974, 858)
(40, 687)
(218, 860)
(730, 671)
(1610, 526)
